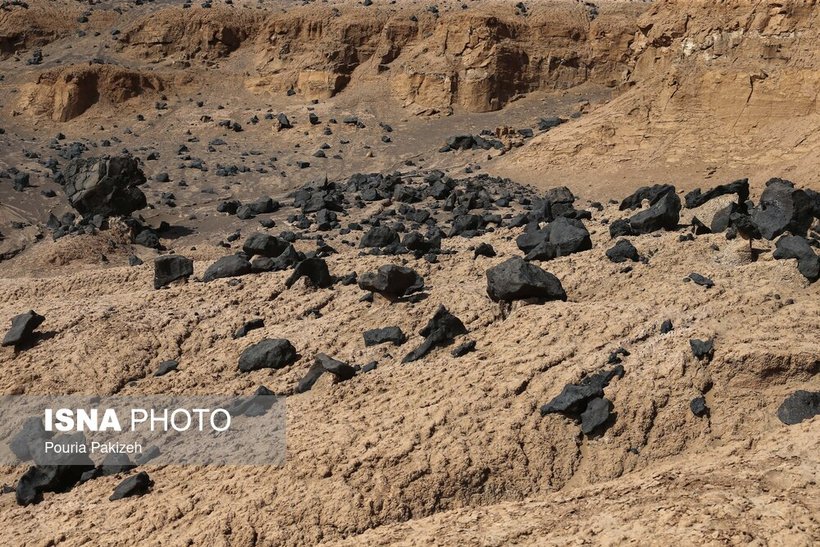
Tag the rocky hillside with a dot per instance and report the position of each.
(720, 89)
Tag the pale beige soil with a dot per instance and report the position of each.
(442, 451)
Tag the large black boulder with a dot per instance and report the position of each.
(800, 405)
(392, 281)
(808, 263)
(569, 236)
(22, 328)
(106, 186)
(315, 269)
(260, 244)
(227, 266)
(59, 475)
(663, 214)
(379, 236)
(169, 268)
(516, 279)
(783, 208)
(272, 353)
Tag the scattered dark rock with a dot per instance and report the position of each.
(227, 266)
(323, 363)
(615, 356)
(740, 187)
(799, 406)
(379, 236)
(649, 193)
(60, 477)
(808, 263)
(165, 367)
(22, 329)
(662, 214)
(702, 349)
(701, 280)
(315, 269)
(392, 281)
(439, 331)
(623, 251)
(104, 186)
(272, 353)
(783, 208)
(248, 326)
(516, 279)
(595, 415)
(573, 399)
(464, 349)
(374, 337)
(698, 406)
(264, 245)
(484, 249)
(135, 485)
(169, 268)
(666, 326)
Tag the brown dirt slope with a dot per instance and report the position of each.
(718, 88)
(410, 441)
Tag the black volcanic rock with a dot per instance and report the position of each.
(702, 349)
(701, 280)
(663, 214)
(135, 485)
(260, 244)
(227, 266)
(59, 476)
(322, 364)
(595, 415)
(375, 337)
(696, 198)
(783, 208)
(516, 279)
(22, 329)
(464, 349)
(623, 251)
(698, 407)
(574, 398)
(808, 263)
(392, 281)
(649, 193)
(315, 269)
(169, 268)
(439, 331)
(484, 249)
(799, 406)
(272, 353)
(248, 326)
(106, 186)
(379, 236)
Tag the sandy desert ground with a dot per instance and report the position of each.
(565, 109)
